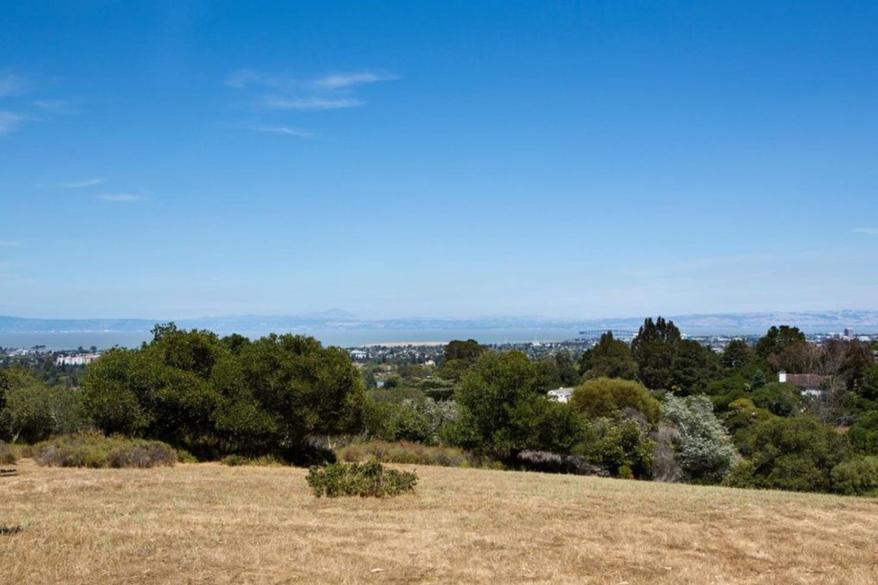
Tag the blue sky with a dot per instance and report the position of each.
(456, 159)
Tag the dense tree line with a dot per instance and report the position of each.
(662, 407)
(207, 395)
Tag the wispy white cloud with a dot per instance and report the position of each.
(329, 92)
(866, 230)
(309, 104)
(343, 80)
(244, 77)
(11, 84)
(81, 184)
(120, 197)
(9, 244)
(288, 130)
(11, 121)
(55, 107)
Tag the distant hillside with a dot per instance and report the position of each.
(737, 323)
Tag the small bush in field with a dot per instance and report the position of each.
(359, 479)
(142, 454)
(95, 450)
(7, 455)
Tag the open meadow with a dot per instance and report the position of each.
(209, 523)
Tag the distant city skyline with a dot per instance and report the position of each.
(456, 160)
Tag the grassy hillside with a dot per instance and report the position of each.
(213, 524)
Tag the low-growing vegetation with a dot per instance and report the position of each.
(96, 451)
(359, 479)
(7, 454)
(239, 460)
(406, 452)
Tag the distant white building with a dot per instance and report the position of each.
(560, 394)
(82, 359)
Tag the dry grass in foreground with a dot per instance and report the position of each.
(215, 524)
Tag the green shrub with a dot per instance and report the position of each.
(96, 451)
(408, 453)
(782, 399)
(856, 477)
(612, 397)
(7, 454)
(742, 475)
(141, 454)
(796, 454)
(359, 479)
(619, 447)
(184, 456)
(864, 433)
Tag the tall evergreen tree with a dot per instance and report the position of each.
(654, 349)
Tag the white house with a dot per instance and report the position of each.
(560, 394)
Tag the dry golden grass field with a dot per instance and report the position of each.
(214, 524)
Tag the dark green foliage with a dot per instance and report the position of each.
(868, 387)
(654, 349)
(863, 434)
(758, 380)
(556, 370)
(796, 454)
(212, 396)
(117, 392)
(693, 367)
(610, 358)
(14, 377)
(620, 447)
(5, 383)
(856, 477)
(468, 350)
(36, 411)
(94, 450)
(741, 418)
(458, 356)
(303, 388)
(360, 479)
(785, 348)
(503, 410)
(737, 355)
(608, 397)
(406, 415)
(857, 360)
(777, 339)
(782, 399)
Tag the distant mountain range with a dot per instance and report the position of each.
(735, 323)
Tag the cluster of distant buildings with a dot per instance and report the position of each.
(43, 354)
(78, 359)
